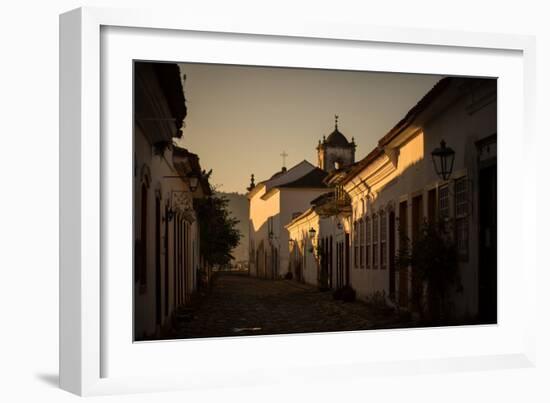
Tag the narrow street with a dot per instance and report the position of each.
(240, 305)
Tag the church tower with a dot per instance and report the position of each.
(335, 151)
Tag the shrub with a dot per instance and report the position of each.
(434, 262)
(348, 294)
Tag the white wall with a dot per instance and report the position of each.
(292, 201)
(279, 204)
(299, 233)
(162, 184)
(260, 212)
(328, 227)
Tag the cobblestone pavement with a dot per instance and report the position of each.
(240, 305)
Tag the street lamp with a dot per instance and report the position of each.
(443, 158)
(312, 233)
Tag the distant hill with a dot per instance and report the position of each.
(238, 205)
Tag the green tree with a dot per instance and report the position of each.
(218, 232)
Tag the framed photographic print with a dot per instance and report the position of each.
(289, 199)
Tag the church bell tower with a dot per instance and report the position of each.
(335, 152)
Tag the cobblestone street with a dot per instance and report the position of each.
(241, 305)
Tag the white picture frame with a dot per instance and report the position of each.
(88, 348)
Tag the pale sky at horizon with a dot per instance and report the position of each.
(241, 118)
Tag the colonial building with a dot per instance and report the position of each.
(352, 234)
(395, 189)
(319, 239)
(273, 203)
(166, 180)
(285, 196)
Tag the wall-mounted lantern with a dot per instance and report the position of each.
(312, 233)
(193, 183)
(443, 158)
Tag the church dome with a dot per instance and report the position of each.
(337, 138)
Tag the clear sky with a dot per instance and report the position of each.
(240, 118)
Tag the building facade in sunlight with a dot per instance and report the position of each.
(320, 238)
(395, 193)
(273, 203)
(283, 197)
(166, 180)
